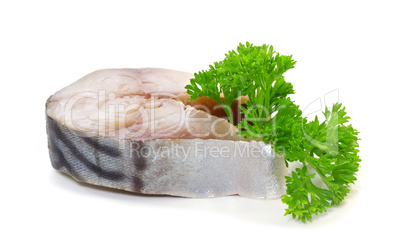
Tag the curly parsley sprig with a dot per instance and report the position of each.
(330, 148)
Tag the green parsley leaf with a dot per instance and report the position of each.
(255, 71)
(330, 148)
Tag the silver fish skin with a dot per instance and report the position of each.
(187, 168)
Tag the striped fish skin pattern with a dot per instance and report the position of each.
(185, 168)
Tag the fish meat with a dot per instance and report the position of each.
(135, 130)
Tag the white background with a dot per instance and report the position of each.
(351, 46)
